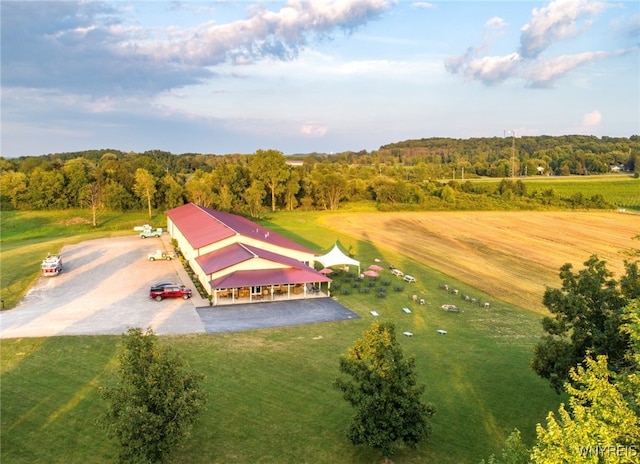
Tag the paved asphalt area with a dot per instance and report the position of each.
(236, 318)
(104, 290)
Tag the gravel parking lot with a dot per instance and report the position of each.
(104, 289)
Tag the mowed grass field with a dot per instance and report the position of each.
(270, 393)
(512, 256)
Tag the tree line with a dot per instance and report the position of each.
(427, 174)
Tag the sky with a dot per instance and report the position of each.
(298, 76)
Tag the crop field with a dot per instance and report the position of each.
(270, 393)
(509, 255)
(620, 190)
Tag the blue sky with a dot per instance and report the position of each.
(303, 76)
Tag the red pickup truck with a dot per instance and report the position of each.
(160, 292)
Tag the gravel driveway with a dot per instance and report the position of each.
(104, 288)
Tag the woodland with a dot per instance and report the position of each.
(425, 174)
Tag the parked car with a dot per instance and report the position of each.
(159, 293)
(159, 254)
(397, 272)
(409, 279)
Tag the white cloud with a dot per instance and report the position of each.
(314, 130)
(493, 69)
(473, 67)
(558, 20)
(495, 22)
(266, 33)
(591, 119)
(92, 42)
(422, 5)
(543, 72)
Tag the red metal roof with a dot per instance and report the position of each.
(197, 226)
(275, 257)
(224, 258)
(203, 226)
(238, 253)
(268, 277)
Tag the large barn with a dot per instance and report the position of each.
(237, 260)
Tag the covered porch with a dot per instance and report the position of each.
(269, 285)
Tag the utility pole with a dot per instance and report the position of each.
(513, 152)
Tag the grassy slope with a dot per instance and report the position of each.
(270, 391)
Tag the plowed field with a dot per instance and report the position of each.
(509, 255)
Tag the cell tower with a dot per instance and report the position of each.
(512, 133)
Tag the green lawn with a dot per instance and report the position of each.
(270, 394)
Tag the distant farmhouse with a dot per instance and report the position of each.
(237, 260)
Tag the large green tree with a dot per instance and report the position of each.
(587, 315)
(77, 176)
(602, 421)
(329, 184)
(155, 402)
(44, 189)
(270, 168)
(292, 188)
(172, 192)
(199, 188)
(253, 197)
(145, 186)
(13, 187)
(384, 392)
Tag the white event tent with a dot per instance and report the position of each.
(337, 258)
